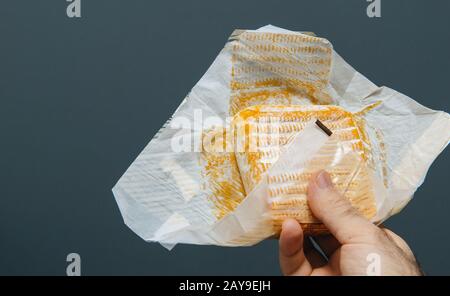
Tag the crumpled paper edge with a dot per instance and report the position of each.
(356, 88)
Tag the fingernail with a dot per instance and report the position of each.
(323, 180)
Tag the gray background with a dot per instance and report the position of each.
(80, 98)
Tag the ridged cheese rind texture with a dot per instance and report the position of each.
(267, 129)
(279, 69)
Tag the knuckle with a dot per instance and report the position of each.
(375, 235)
(341, 206)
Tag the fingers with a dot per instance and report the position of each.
(338, 215)
(292, 257)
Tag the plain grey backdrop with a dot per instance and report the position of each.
(80, 98)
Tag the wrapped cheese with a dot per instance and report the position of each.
(277, 82)
(267, 129)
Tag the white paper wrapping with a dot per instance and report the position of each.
(162, 195)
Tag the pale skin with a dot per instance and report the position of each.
(348, 246)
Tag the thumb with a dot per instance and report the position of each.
(336, 212)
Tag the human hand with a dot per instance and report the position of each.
(353, 244)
